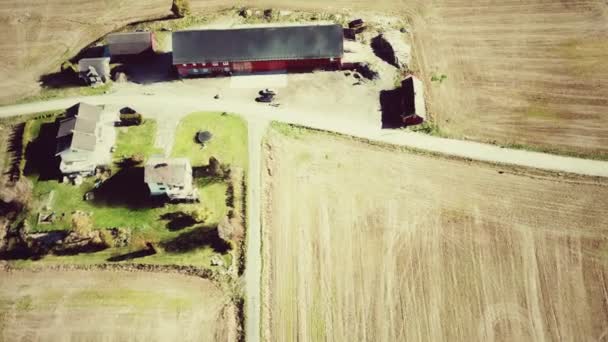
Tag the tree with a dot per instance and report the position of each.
(181, 8)
(81, 223)
(214, 167)
(200, 215)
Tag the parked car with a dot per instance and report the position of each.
(264, 98)
(267, 92)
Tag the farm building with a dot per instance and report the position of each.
(78, 140)
(94, 70)
(171, 177)
(130, 43)
(243, 50)
(412, 101)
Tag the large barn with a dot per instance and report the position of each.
(243, 50)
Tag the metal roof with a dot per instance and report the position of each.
(167, 171)
(101, 65)
(258, 44)
(77, 130)
(129, 43)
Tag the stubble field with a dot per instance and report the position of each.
(362, 243)
(108, 306)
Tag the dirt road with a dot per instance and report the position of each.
(253, 268)
(166, 97)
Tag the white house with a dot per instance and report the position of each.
(80, 140)
(171, 177)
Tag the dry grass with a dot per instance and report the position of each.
(37, 36)
(108, 306)
(367, 244)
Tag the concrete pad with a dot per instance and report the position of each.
(259, 81)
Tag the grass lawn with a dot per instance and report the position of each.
(178, 240)
(228, 145)
(137, 139)
(54, 93)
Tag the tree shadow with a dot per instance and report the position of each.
(203, 236)
(126, 188)
(178, 220)
(148, 68)
(40, 154)
(133, 255)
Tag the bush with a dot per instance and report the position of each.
(128, 119)
(181, 8)
(214, 167)
(200, 215)
(82, 224)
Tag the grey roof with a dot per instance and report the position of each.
(77, 130)
(129, 43)
(170, 171)
(258, 44)
(101, 65)
(85, 110)
(65, 127)
(83, 141)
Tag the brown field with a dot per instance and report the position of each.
(365, 243)
(36, 36)
(108, 306)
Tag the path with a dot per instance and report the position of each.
(301, 116)
(253, 269)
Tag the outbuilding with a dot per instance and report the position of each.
(130, 43)
(170, 177)
(257, 49)
(94, 70)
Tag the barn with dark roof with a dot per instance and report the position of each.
(243, 50)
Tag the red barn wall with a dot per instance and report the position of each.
(257, 66)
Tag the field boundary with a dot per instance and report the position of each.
(520, 170)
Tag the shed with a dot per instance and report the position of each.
(412, 97)
(130, 43)
(101, 65)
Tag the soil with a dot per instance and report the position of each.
(108, 305)
(364, 243)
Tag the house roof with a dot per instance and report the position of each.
(77, 130)
(170, 171)
(83, 141)
(258, 44)
(129, 43)
(101, 65)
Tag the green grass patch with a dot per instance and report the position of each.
(228, 145)
(137, 139)
(55, 93)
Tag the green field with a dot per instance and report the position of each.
(228, 145)
(108, 306)
(179, 241)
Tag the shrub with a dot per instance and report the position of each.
(200, 215)
(214, 167)
(181, 8)
(81, 223)
(128, 119)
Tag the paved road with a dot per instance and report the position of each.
(257, 115)
(255, 111)
(253, 268)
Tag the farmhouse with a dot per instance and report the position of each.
(79, 140)
(130, 43)
(171, 177)
(243, 50)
